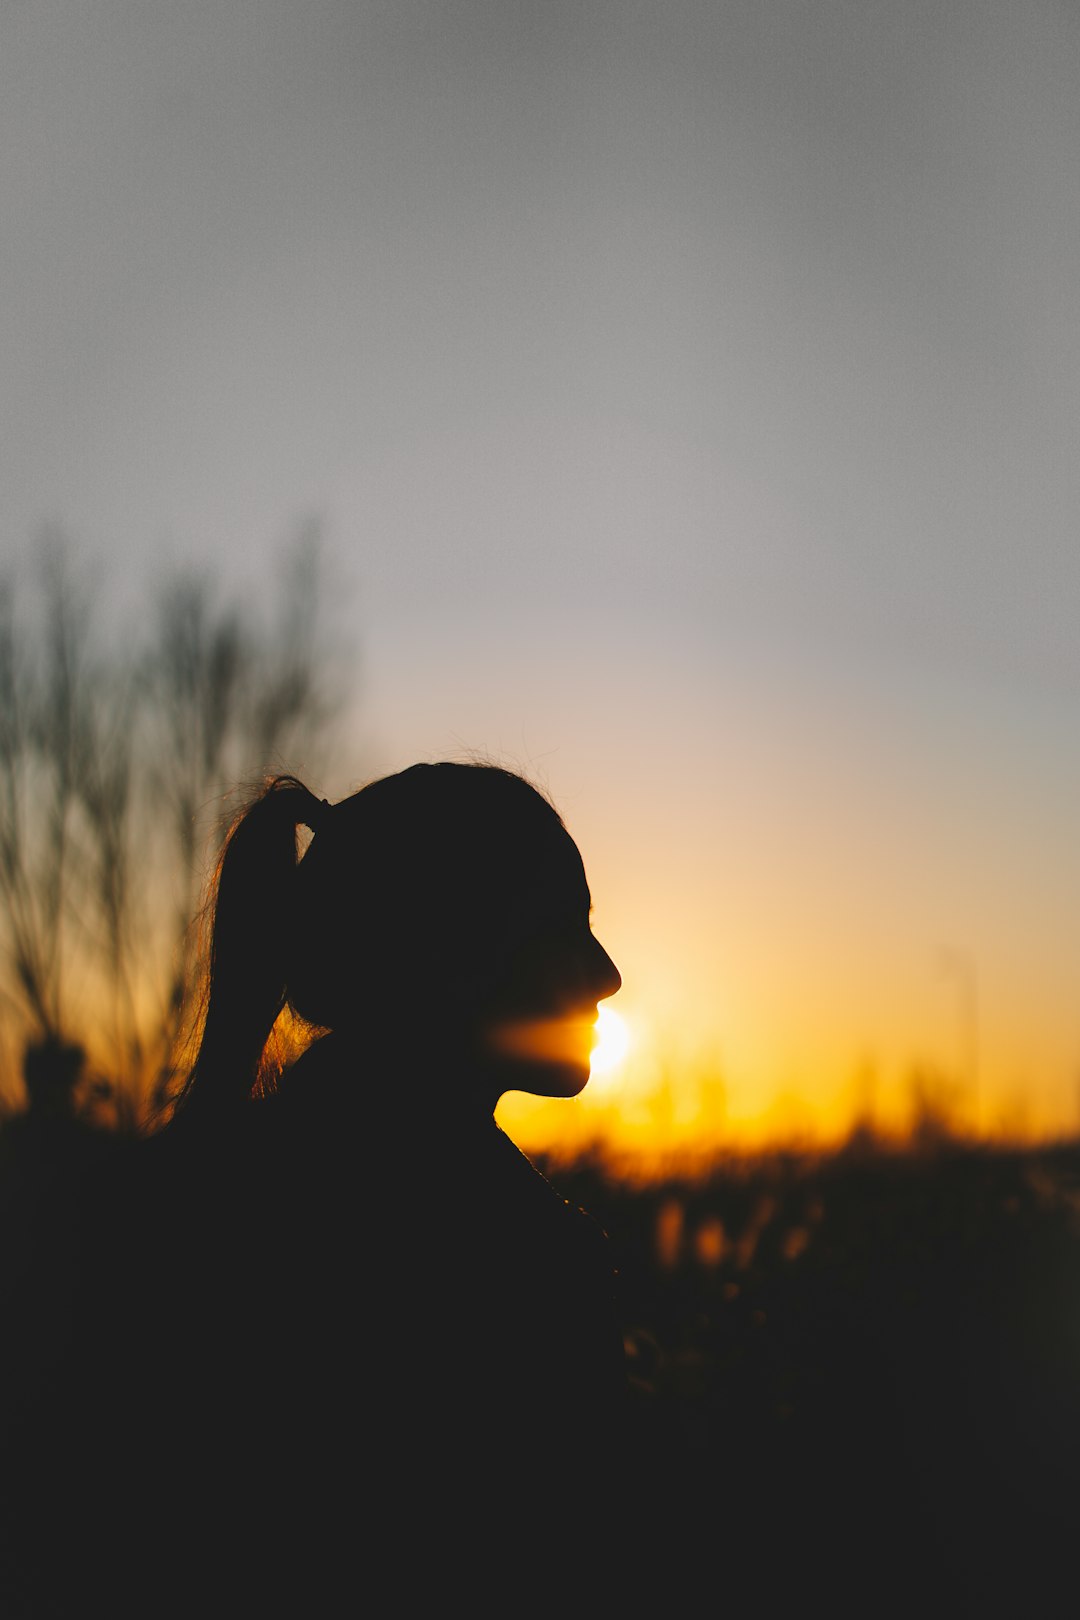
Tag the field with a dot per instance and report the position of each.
(855, 1377)
(859, 1373)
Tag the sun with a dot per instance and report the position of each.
(612, 1042)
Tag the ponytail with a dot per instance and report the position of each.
(251, 920)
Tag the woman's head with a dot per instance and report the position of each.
(443, 907)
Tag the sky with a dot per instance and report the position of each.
(687, 394)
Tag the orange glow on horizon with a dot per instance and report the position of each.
(670, 1103)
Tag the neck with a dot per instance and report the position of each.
(445, 1085)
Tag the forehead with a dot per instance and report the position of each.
(558, 873)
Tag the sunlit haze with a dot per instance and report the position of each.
(612, 1044)
(687, 394)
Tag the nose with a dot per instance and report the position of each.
(608, 979)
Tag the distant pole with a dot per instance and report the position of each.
(960, 967)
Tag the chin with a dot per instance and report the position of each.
(545, 1057)
(551, 1080)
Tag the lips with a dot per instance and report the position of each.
(567, 1038)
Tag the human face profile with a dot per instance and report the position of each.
(542, 1024)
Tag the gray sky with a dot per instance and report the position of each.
(690, 394)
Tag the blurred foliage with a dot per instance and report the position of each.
(856, 1371)
(125, 742)
(852, 1373)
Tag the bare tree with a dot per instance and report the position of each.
(45, 734)
(120, 758)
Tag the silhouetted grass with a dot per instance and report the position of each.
(855, 1373)
(862, 1361)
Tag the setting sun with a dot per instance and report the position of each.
(612, 1042)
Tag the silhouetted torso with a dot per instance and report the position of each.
(344, 1328)
(473, 1305)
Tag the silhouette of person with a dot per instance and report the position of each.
(364, 1318)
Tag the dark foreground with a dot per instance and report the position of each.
(859, 1377)
(855, 1382)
